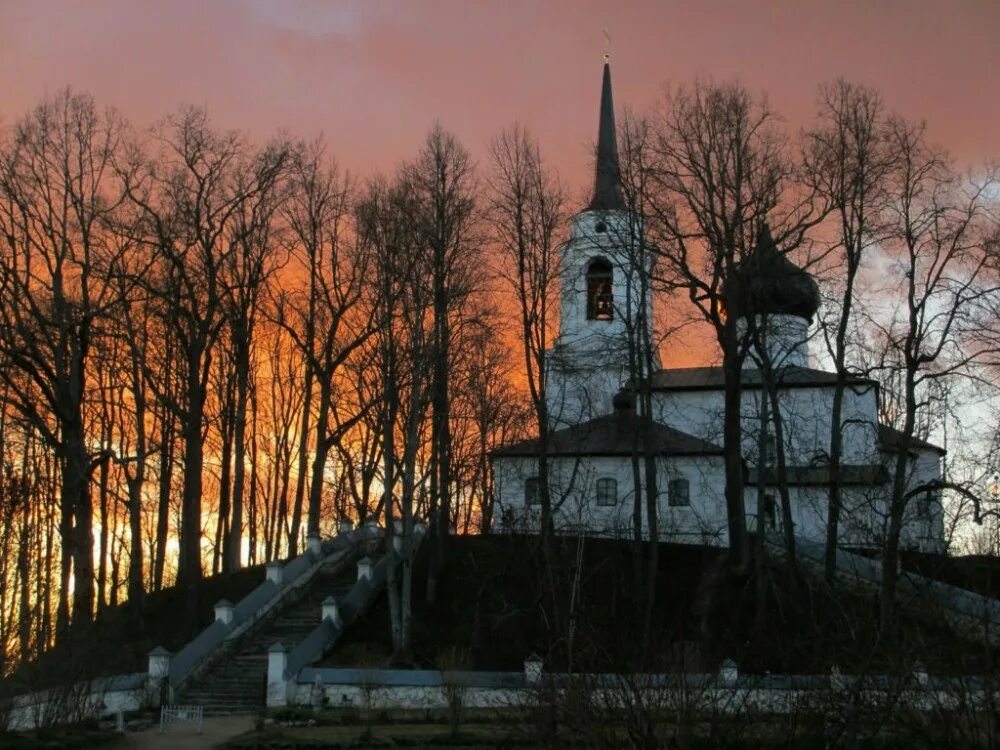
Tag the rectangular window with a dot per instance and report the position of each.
(607, 492)
(678, 493)
(531, 494)
(770, 513)
(925, 504)
(770, 448)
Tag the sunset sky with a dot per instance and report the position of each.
(373, 76)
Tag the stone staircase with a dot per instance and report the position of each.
(236, 682)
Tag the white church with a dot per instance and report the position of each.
(590, 449)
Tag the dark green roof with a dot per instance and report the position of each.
(612, 435)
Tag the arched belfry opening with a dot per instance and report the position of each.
(600, 296)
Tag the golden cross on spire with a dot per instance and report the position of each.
(607, 45)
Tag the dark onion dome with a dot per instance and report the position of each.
(767, 283)
(623, 401)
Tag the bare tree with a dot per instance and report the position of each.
(250, 267)
(442, 180)
(325, 320)
(847, 160)
(191, 194)
(490, 412)
(57, 193)
(526, 210)
(938, 239)
(401, 303)
(722, 167)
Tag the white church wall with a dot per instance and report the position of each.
(574, 492)
(784, 340)
(858, 521)
(923, 516)
(579, 391)
(698, 413)
(805, 420)
(573, 483)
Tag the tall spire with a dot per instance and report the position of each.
(607, 190)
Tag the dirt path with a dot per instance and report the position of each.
(215, 731)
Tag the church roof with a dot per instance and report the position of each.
(889, 438)
(611, 435)
(767, 282)
(713, 378)
(607, 186)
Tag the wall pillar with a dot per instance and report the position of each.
(277, 677)
(533, 666)
(729, 672)
(158, 670)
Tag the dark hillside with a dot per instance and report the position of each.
(494, 608)
(979, 573)
(119, 640)
(492, 612)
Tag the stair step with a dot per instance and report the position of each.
(235, 685)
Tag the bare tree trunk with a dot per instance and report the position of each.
(309, 342)
(189, 561)
(320, 453)
(242, 356)
(76, 494)
(739, 549)
(220, 553)
(166, 461)
(23, 562)
(105, 440)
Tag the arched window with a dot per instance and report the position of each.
(607, 492)
(600, 300)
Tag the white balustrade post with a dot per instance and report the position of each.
(224, 611)
(330, 610)
(277, 680)
(533, 669)
(314, 544)
(275, 572)
(365, 566)
(729, 672)
(346, 526)
(837, 680)
(316, 694)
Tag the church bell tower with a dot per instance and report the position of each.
(602, 292)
